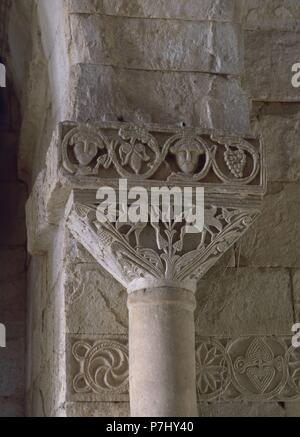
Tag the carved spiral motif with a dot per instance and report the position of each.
(104, 367)
(245, 368)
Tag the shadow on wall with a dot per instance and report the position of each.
(12, 258)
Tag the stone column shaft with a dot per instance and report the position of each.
(162, 353)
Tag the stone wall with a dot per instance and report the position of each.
(262, 294)
(224, 65)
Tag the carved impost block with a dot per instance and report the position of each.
(83, 158)
(148, 254)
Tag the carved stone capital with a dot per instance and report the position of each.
(83, 158)
(159, 262)
(150, 255)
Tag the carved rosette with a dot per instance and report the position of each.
(263, 368)
(103, 367)
(293, 360)
(212, 369)
(248, 368)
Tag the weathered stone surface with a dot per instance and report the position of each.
(292, 409)
(281, 134)
(169, 97)
(46, 341)
(242, 409)
(52, 20)
(296, 294)
(77, 254)
(49, 386)
(38, 109)
(273, 240)
(272, 14)
(88, 289)
(255, 301)
(97, 409)
(36, 217)
(56, 255)
(48, 354)
(36, 401)
(269, 57)
(55, 38)
(37, 288)
(156, 44)
(217, 10)
(37, 338)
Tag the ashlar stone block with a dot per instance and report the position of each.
(168, 97)
(156, 44)
(217, 10)
(273, 240)
(255, 301)
(272, 14)
(281, 132)
(269, 57)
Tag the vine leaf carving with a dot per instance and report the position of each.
(134, 154)
(140, 152)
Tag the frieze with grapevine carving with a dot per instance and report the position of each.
(114, 150)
